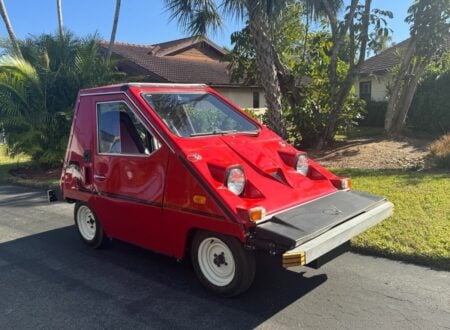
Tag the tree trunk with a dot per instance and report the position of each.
(114, 30)
(407, 95)
(340, 89)
(260, 31)
(60, 18)
(399, 81)
(10, 30)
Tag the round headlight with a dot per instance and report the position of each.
(235, 180)
(301, 165)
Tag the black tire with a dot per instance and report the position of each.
(82, 212)
(244, 263)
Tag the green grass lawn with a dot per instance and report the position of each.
(8, 163)
(419, 230)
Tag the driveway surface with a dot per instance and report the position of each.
(50, 279)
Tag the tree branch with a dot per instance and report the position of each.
(349, 19)
(331, 16)
(364, 32)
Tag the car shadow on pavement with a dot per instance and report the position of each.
(126, 286)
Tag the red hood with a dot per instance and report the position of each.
(272, 182)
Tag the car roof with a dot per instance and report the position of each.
(125, 86)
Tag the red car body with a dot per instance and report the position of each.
(159, 200)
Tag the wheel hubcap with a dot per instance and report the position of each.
(216, 261)
(219, 259)
(86, 223)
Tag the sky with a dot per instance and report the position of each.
(140, 22)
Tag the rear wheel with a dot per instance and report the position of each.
(89, 228)
(222, 264)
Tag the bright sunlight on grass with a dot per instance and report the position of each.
(6, 160)
(8, 163)
(419, 230)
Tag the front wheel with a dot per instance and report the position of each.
(222, 264)
(89, 228)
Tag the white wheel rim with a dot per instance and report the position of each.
(86, 223)
(216, 261)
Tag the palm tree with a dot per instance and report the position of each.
(38, 92)
(197, 16)
(12, 35)
(114, 30)
(60, 18)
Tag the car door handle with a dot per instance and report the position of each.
(99, 177)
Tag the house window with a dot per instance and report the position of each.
(365, 90)
(255, 99)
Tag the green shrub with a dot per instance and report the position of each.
(253, 114)
(306, 124)
(440, 152)
(430, 109)
(38, 92)
(374, 114)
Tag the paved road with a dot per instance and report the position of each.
(49, 279)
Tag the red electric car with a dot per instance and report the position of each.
(180, 170)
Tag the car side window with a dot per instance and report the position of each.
(121, 132)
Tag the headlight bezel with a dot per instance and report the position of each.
(301, 164)
(239, 187)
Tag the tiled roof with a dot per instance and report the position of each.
(172, 43)
(388, 58)
(166, 48)
(384, 61)
(171, 68)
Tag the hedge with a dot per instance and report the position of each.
(430, 109)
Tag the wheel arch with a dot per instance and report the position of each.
(190, 233)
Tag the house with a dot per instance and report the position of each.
(375, 73)
(187, 60)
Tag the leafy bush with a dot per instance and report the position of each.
(374, 114)
(440, 152)
(306, 124)
(254, 114)
(38, 92)
(430, 109)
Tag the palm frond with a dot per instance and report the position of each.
(195, 16)
(315, 9)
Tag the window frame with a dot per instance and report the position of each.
(256, 94)
(220, 99)
(365, 96)
(156, 144)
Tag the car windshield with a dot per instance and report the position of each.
(198, 114)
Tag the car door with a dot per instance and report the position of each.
(128, 174)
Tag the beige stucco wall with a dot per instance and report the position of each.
(379, 86)
(243, 97)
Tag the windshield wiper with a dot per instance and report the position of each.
(252, 133)
(215, 132)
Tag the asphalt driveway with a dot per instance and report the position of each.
(49, 279)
